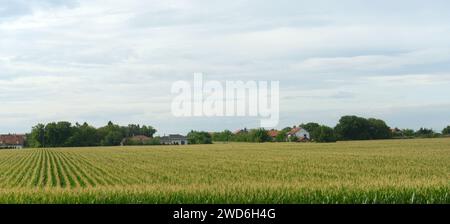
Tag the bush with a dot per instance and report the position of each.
(223, 136)
(259, 135)
(425, 133)
(281, 136)
(325, 134)
(446, 130)
(196, 137)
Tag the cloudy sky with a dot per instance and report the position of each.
(101, 60)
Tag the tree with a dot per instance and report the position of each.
(57, 134)
(353, 128)
(196, 137)
(281, 136)
(223, 136)
(259, 135)
(148, 131)
(112, 138)
(83, 135)
(111, 134)
(293, 138)
(408, 133)
(242, 136)
(63, 134)
(358, 128)
(378, 129)
(37, 136)
(425, 132)
(325, 134)
(446, 130)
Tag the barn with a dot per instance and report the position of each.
(12, 141)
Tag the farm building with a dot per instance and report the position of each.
(174, 140)
(300, 133)
(12, 141)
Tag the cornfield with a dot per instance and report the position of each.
(395, 171)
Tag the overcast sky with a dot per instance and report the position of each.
(101, 60)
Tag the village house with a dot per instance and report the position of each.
(12, 141)
(174, 140)
(300, 133)
(273, 134)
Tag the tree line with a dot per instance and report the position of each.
(348, 128)
(64, 134)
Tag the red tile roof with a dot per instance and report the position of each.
(294, 130)
(12, 139)
(272, 133)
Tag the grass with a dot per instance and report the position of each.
(394, 171)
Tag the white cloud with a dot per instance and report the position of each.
(101, 60)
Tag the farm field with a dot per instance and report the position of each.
(393, 171)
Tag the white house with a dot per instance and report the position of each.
(174, 140)
(300, 133)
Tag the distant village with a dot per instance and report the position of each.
(65, 134)
(18, 141)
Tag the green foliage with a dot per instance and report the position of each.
(325, 134)
(358, 128)
(259, 135)
(63, 134)
(242, 136)
(223, 136)
(199, 137)
(426, 133)
(446, 130)
(293, 138)
(112, 138)
(353, 128)
(37, 136)
(379, 129)
(408, 133)
(281, 136)
(254, 135)
(133, 130)
(83, 135)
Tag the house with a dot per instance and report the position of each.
(174, 140)
(300, 133)
(273, 134)
(12, 141)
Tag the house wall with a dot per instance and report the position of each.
(302, 134)
(175, 142)
(11, 146)
(179, 142)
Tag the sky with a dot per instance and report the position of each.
(102, 60)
